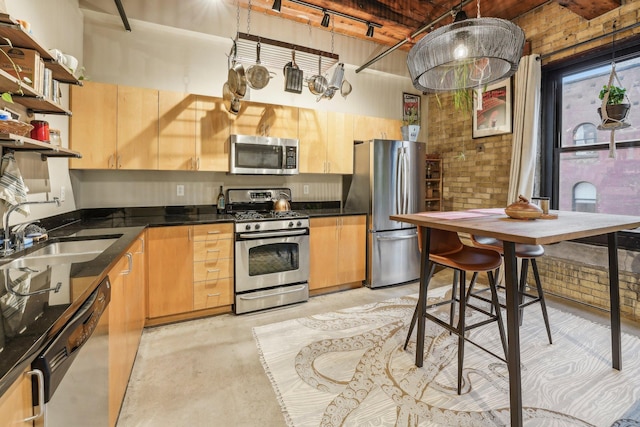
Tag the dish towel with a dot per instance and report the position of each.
(12, 187)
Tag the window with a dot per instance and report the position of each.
(585, 133)
(584, 197)
(577, 171)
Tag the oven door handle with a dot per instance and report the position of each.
(288, 291)
(264, 235)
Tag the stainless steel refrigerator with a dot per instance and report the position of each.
(389, 179)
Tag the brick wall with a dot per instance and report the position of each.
(476, 171)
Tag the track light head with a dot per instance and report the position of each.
(277, 5)
(325, 19)
(369, 30)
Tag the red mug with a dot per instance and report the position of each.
(40, 130)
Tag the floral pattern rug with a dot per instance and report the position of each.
(348, 368)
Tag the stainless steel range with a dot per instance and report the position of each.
(271, 250)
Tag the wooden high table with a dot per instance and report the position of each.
(495, 223)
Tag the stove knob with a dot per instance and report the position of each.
(290, 224)
(247, 227)
(257, 227)
(299, 224)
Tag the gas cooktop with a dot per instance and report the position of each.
(254, 215)
(256, 204)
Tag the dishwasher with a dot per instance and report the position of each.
(74, 365)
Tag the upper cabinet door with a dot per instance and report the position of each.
(312, 133)
(177, 131)
(266, 119)
(137, 128)
(212, 134)
(340, 143)
(93, 125)
(366, 128)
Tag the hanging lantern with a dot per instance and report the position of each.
(465, 54)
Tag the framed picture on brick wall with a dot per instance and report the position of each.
(492, 110)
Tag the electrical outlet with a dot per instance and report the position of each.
(62, 193)
(180, 190)
(305, 189)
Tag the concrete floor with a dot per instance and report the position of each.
(207, 372)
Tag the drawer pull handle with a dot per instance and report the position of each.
(213, 232)
(213, 295)
(215, 270)
(213, 250)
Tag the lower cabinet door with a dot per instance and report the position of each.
(170, 271)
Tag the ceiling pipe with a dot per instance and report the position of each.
(411, 37)
(123, 15)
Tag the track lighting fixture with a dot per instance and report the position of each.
(369, 30)
(277, 5)
(325, 19)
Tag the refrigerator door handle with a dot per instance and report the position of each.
(405, 190)
(399, 185)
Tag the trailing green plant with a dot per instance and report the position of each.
(616, 94)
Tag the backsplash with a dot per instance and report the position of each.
(107, 188)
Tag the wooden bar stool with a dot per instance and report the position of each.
(526, 253)
(447, 250)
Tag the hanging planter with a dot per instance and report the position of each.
(613, 100)
(614, 109)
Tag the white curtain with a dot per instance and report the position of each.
(526, 128)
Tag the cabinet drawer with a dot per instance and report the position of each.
(212, 293)
(212, 250)
(212, 270)
(212, 232)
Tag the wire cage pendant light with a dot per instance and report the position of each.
(466, 54)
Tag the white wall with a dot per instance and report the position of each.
(55, 24)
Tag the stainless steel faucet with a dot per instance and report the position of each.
(7, 230)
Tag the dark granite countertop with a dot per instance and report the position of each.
(24, 331)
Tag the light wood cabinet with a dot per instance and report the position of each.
(212, 134)
(265, 119)
(312, 133)
(190, 268)
(326, 142)
(16, 403)
(337, 250)
(169, 270)
(137, 124)
(177, 131)
(126, 321)
(115, 127)
(93, 125)
(212, 265)
(366, 128)
(340, 143)
(118, 376)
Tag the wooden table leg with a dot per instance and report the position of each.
(614, 301)
(513, 334)
(422, 295)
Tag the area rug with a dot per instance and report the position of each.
(348, 368)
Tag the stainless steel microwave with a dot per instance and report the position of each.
(263, 155)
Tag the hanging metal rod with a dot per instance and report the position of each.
(123, 15)
(335, 12)
(411, 37)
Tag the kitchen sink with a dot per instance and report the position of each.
(61, 252)
(72, 247)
